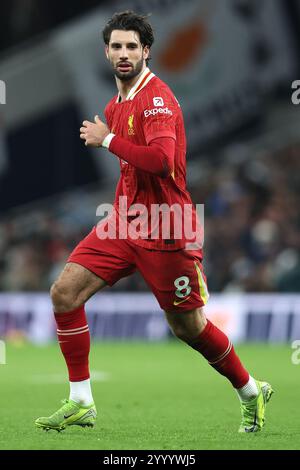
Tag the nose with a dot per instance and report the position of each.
(124, 54)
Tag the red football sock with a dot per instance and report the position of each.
(74, 340)
(214, 345)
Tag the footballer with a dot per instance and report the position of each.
(144, 129)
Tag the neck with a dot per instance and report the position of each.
(124, 87)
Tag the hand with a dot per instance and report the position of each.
(94, 133)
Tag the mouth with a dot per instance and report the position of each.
(124, 67)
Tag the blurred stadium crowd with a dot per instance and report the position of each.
(24, 19)
(252, 236)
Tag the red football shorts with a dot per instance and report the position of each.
(176, 278)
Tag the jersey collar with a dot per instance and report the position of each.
(144, 79)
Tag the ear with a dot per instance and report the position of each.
(106, 51)
(146, 52)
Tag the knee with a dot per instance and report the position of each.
(180, 332)
(188, 330)
(62, 298)
(185, 334)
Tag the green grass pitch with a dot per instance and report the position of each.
(149, 396)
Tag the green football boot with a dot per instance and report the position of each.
(71, 413)
(253, 411)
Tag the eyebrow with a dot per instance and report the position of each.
(116, 43)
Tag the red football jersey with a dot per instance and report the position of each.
(151, 111)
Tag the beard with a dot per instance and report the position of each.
(127, 76)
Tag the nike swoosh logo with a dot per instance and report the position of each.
(66, 417)
(255, 425)
(178, 302)
(252, 429)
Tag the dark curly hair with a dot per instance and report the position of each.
(130, 21)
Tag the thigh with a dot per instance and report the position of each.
(78, 283)
(109, 259)
(176, 278)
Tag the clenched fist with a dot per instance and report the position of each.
(94, 133)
